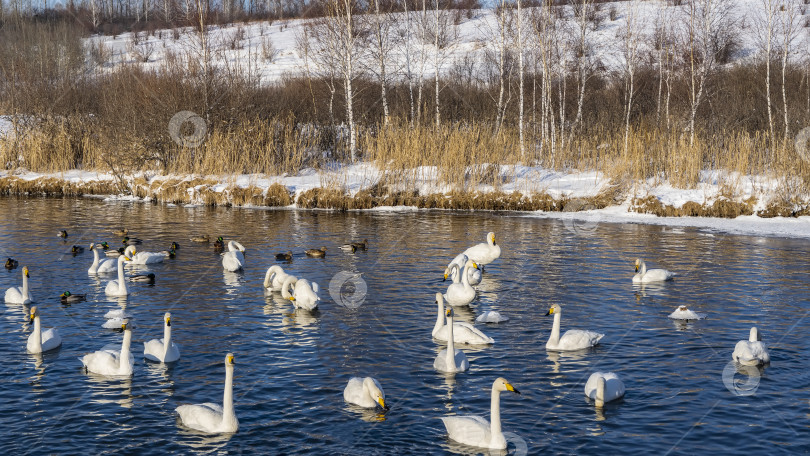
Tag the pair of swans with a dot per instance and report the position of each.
(485, 252)
(365, 392)
(274, 279)
(136, 257)
(476, 431)
(304, 294)
(573, 339)
(463, 333)
(20, 295)
(451, 360)
(162, 350)
(112, 360)
(474, 274)
(751, 352)
(644, 275)
(604, 387)
(209, 417)
(234, 259)
(460, 292)
(41, 341)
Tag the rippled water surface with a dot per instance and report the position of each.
(291, 366)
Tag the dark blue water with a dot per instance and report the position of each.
(291, 367)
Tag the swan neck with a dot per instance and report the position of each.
(285, 288)
(122, 285)
(37, 334)
(439, 317)
(228, 414)
(123, 360)
(466, 276)
(455, 272)
(753, 336)
(495, 415)
(554, 338)
(167, 339)
(25, 288)
(600, 392)
(268, 283)
(451, 346)
(95, 257)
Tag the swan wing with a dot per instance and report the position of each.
(466, 333)
(153, 350)
(461, 361)
(355, 394)
(14, 295)
(577, 339)
(614, 387)
(205, 417)
(51, 339)
(101, 362)
(491, 316)
(480, 253)
(107, 265)
(468, 429)
(751, 353)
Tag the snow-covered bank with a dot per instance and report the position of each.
(572, 196)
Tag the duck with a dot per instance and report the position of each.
(460, 292)
(355, 246)
(118, 287)
(316, 253)
(11, 263)
(284, 256)
(174, 246)
(460, 260)
(99, 265)
(274, 279)
(136, 257)
(219, 244)
(120, 232)
(234, 259)
(365, 392)
(40, 341)
(643, 275)
(105, 246)
(76, 249)
(213, 418)
(171, 254)
(68, 297)
(604, 387)
(683, 313)
(145, 278)
(62, 234)
(348, 248)
(485, 252)
(20, 295)
(463, 333)
(451, 360)
(751, 352)
(131, 241)
(201, 239)
(573, 339)
(476, 431)
(304, 295)
(162, 350)
(115, 253)
(112, 360)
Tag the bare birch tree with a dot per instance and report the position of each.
(631, 43)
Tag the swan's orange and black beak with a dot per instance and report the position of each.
(381, 401)
(511, 388)
(550, 312)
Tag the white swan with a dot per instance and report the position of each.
(365, 392)
(604, 387)
(460, 292)
(274, 279)
(683, 313)
(474, 273)
(644, 275)
(99, 265)
(751, 352)
(477, 431)
(451, 359)
(20, 295)
(136, 257)
(463, 333)
(162, 350)
(209, 417)
(118, 287)
(234, 259)
(573, 339)
(491, 316)
(304, 295)
(112, 360)
(485, 252)
(39, 341)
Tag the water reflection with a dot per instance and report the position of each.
(369, 415)
(110, 390)
(205, 443)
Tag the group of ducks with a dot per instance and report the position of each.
(465, 270)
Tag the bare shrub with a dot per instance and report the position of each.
(269, 50)
(99, 53)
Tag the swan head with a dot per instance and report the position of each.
(501, 384)
(555, 309)
(25, 271)
(491, 238)
(229, 360)
(439, 298)
(167, 317)
(34, 314)
(125, 326)
(639, 263)
(754, 335)
(375, 392)
(131, 250)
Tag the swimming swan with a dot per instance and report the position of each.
(118, 287)
(39, 341)
(491, 316)
(20, 295)
(163, 350)
(474, 273)
(683, 313)
(234, 259)
(274, 279)
(209, 417)
(460, 292)
(643, 275)
(463, 333)
(451, 359)
(365, 392)
(604, 387)
(304, 295)
(136, 257)
(573, 339)
(105, 265)
(476, 431)
(485, 252)
(751, 352)
(112, 360)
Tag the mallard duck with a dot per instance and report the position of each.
(131, 241)
(115, 253)
(63, 234)
(316, 253)
(204, 238)
(11, 263)
(284, 256)
(76, 249)
(169, 253)
(121, 232)
(70, 297)
(105, 246)
(174, 246)
(348, 248)
(145, 278)
(219, 244)
(361, 245)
